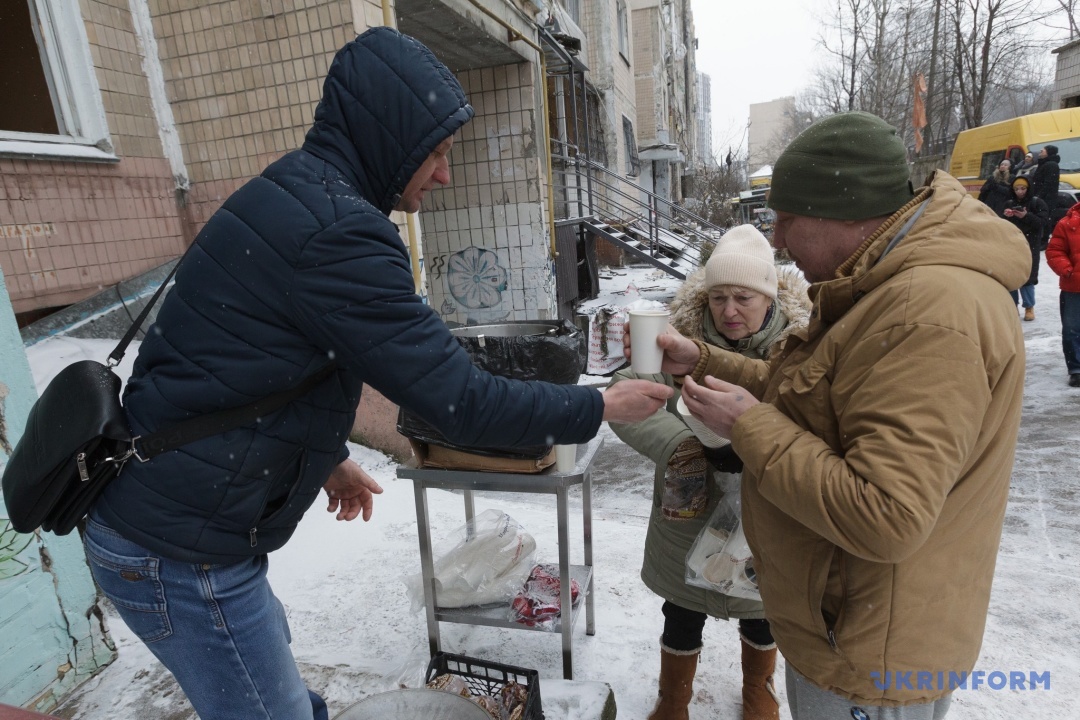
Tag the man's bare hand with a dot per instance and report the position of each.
(351, 491)
(680, 353)
(716, 403)
(631, 401)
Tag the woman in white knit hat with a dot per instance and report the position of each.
(742, 301)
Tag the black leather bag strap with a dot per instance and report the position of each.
(221, 421)
(118, 352)
(214, 423)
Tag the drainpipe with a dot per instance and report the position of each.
(547, 151)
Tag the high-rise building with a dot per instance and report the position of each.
(704, 120)
(766, 136)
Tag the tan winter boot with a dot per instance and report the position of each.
(1029, 314)
(760, 701)
(677, 668)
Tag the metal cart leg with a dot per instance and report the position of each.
(470, 513)
(427, 565)
(566, 619)
(586, 519)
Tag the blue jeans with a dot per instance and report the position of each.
(1026, 296)
(218, 628)
(1070, 330)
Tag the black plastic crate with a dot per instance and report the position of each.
(488, 678)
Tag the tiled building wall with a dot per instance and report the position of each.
(487, 250)
(1067, 76)
(625, 91)
(68, 228)
(611, 75)
(243, 78)
(648, 87)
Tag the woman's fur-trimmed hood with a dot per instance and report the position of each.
(692, 299)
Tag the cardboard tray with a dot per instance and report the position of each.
(435, 456)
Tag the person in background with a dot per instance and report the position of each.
(878, 445)
(1045, 182)
(299, 268)
(1027, 165)
(1063, 203)
(995, 192)
(740, 302)
(1063, 257)
(1030, 215)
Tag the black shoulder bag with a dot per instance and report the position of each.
(77, 438)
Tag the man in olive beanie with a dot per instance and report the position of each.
(878, 444)
(846, 167)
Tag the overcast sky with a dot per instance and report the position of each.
(760, 50)
(754, 52)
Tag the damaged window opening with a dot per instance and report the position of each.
(27, 97)
(623, 23)
(630, 154)
(573, 7)
(50, 104)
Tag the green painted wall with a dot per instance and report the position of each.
(51, 637)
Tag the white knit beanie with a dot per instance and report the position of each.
(744, 258)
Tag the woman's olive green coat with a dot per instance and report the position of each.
(668, 541)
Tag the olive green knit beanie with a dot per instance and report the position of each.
(849, 166)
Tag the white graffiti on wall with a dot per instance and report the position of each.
(476, 278)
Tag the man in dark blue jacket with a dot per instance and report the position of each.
(301, 267)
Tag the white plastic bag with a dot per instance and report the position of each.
(488, 561)
(720, 558)
(605, 341)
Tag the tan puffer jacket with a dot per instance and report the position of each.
(877, 469)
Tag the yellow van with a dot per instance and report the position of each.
(979, 151)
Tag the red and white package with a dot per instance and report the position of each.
(539, 601)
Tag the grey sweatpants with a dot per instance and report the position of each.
(809, 702)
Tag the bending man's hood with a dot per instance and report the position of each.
(377, 126)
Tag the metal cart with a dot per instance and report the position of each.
(548, 481)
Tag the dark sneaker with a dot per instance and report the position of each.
(1074, 380)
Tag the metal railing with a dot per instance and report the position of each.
(588, 189)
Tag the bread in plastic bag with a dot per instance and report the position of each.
(720, 558)
(486, 561)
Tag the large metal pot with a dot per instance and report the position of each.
(550, 350)
(414, 703)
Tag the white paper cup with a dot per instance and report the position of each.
(645, 327)
(565, 458)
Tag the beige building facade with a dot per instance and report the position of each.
(1067, 75)
(665, 76)
(768, 124)
(149, 113)
(162, 108)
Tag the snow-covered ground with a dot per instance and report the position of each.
(354, 633)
